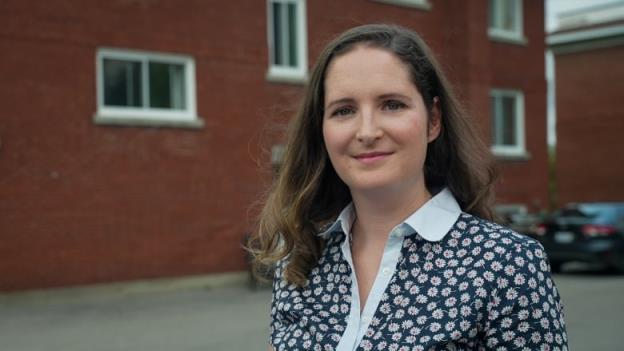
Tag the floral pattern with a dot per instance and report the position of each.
(482, 287)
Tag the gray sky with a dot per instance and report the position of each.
(555, 6)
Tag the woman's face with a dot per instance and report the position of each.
(375, 123)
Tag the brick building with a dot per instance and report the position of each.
(132, 131)
(588, 54)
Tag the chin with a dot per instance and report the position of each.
(391, 183)
(373, 184)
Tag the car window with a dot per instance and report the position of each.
(599, 213)
(619, 222)
(572, 212)
(596, 213)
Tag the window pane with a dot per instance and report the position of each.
(292, 35)
(503, 14)
(122, 83)
(277, 34)
(495, 124)
(492, 13)
(166, 85)
(508, 121)
(508, 12)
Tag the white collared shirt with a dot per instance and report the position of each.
(432, 221)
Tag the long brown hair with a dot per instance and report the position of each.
(308, 193)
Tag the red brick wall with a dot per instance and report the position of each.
(590, 122)
(521, 67)
(85, 203)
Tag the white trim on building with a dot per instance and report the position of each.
(584, 35)
(417, 4)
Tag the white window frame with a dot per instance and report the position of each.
(518, 150)
(146, 114)
(515, 35)
(283, 73)
(417, 4)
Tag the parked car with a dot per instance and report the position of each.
(588, 232)
(524, 223)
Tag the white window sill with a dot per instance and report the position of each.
(133, 121)
(289, 77)
(417, 4)
(508, 37)
(511, 155)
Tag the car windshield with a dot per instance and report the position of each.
(596, 213)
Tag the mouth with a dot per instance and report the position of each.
(371, 157)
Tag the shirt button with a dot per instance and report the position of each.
(386, 271)
(366, 319)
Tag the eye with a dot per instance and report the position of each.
(393, 105)
(342, 111)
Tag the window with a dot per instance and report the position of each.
(145, 88)
(418, 4)
(287, 40)
(506, 20)
(507, 111)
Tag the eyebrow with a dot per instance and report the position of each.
(393, 95)
(380, 97)
(338, 102)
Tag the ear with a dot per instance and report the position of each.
(435, 121)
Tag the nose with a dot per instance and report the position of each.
(369, 129)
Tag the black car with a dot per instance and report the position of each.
(588, 232)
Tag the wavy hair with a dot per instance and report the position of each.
(307, 193)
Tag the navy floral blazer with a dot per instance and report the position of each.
(481, 287)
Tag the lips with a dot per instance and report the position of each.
(371, 157)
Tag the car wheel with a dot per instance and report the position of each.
(618, 264)
(555, 266)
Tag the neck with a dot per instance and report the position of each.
(378, 213)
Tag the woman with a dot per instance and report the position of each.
(378, 221)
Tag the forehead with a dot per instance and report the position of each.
(367, 68)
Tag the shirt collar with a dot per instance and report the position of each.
(432, 221)
(342, 223)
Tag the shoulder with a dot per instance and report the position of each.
(504, 241)
(515, 265)
(524, 303)
(499, 249)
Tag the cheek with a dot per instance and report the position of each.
(412, 136)
(327, 139)
(329, 145)
(335, 140)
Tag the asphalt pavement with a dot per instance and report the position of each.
(236, 318)
(226, 318)
(593, 300)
